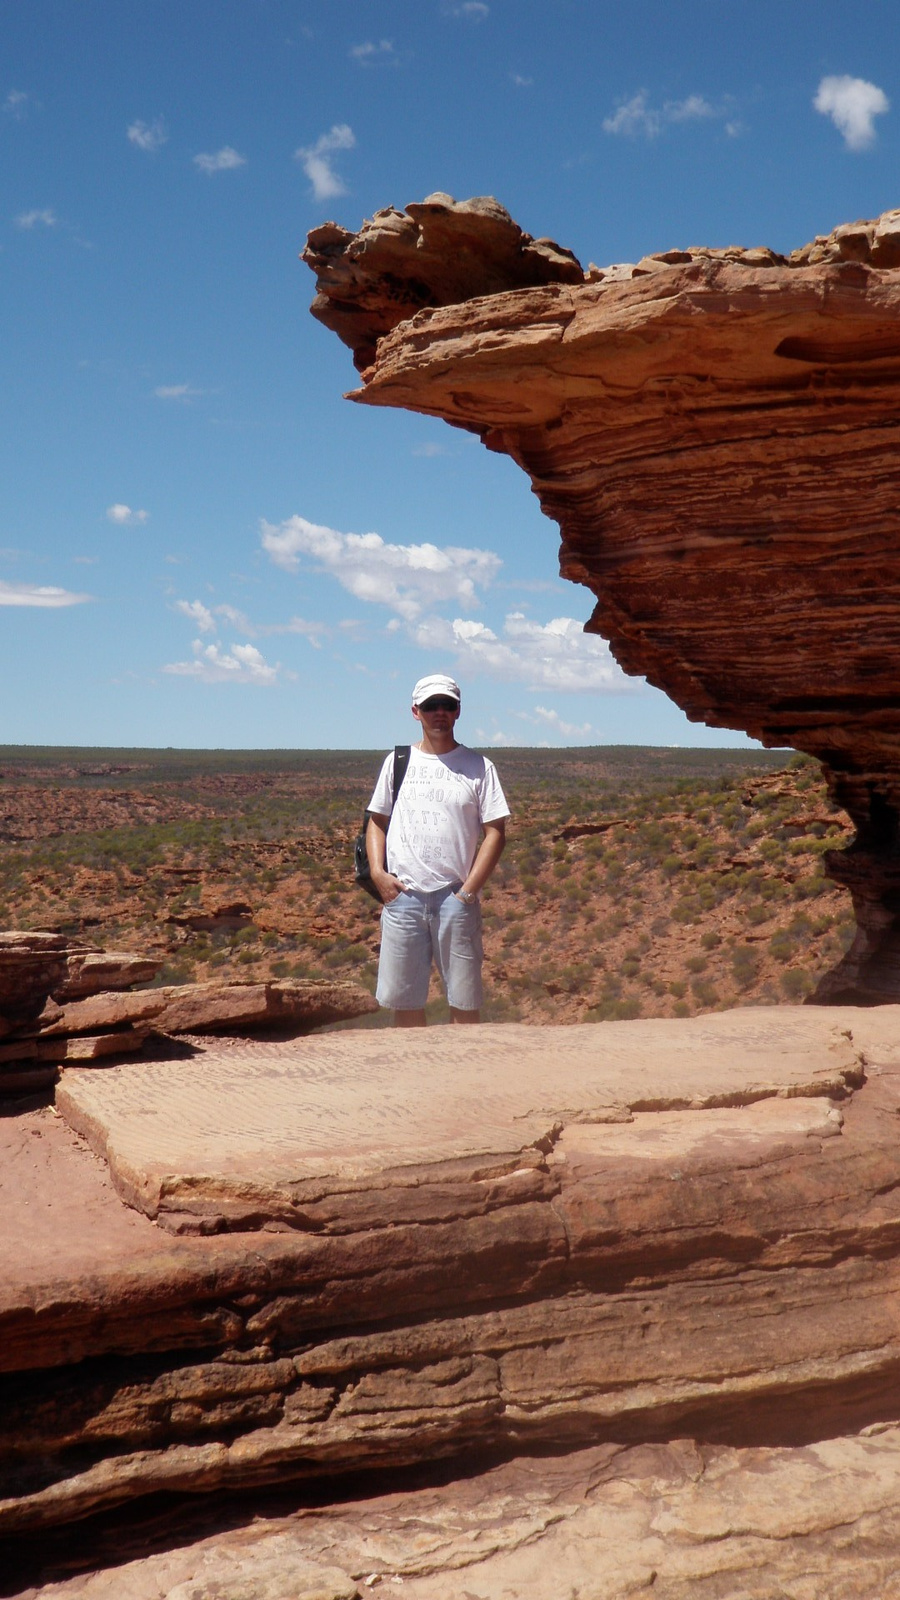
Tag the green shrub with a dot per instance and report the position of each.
(744, 966)
(687, 909)
(781, 945)
(809, 888)
(795, 983)
(706, 992)
(614, 1010)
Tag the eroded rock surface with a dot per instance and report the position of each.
(682, 1230)
(64, 1002)
(433, 254)
(34, 966)
(717, 433)
(662, 1522)
(212, 1007)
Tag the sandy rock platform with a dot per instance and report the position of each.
(635, 1285)
(268, 1130)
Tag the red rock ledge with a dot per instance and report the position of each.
(716, 433)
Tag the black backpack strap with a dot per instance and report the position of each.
(401, 762)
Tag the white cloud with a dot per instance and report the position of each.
(176, 391)
(199, 614)
(242, 664)
(370, 54)
(633, 116)
(224, 160)
(429, 451)
(556, 655)
(237, 619)
(30, 219)
(637, 116)
(204, 618)
(47, 595)
(406, 578)
(520, 82)
(852, 104)
(124, 517)
(316, 161)
(552, 719)
(148, 136)
(312, 632)
(475, 10)
(693, 109)
(17, 104)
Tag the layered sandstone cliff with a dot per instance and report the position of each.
(716, 433)
(642, 1303)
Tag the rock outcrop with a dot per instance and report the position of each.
(716, 433)
(347, 1254)
(645, 1522)
(63, 1002)
(434, 254)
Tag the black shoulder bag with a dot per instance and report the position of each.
(362, 873)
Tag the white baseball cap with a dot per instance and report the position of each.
(435, 683)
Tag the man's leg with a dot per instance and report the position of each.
(404, 963)
(458, 956)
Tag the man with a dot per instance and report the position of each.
(430, 853)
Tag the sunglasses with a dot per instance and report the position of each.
(439, 703)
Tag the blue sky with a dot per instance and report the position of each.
(185, 496)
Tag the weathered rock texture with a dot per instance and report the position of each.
(434, 254)
(686, 1230)
(717, 433)
(646, 1522)
(62, 1002)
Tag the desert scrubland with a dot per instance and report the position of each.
(636, 881)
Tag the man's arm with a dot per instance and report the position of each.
(489, 852)
(376, 849)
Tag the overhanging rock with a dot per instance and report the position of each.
(717, 433)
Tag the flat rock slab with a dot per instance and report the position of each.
(282, 1125)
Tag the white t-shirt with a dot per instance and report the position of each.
(435, 826)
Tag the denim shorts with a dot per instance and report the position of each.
(417, 929)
